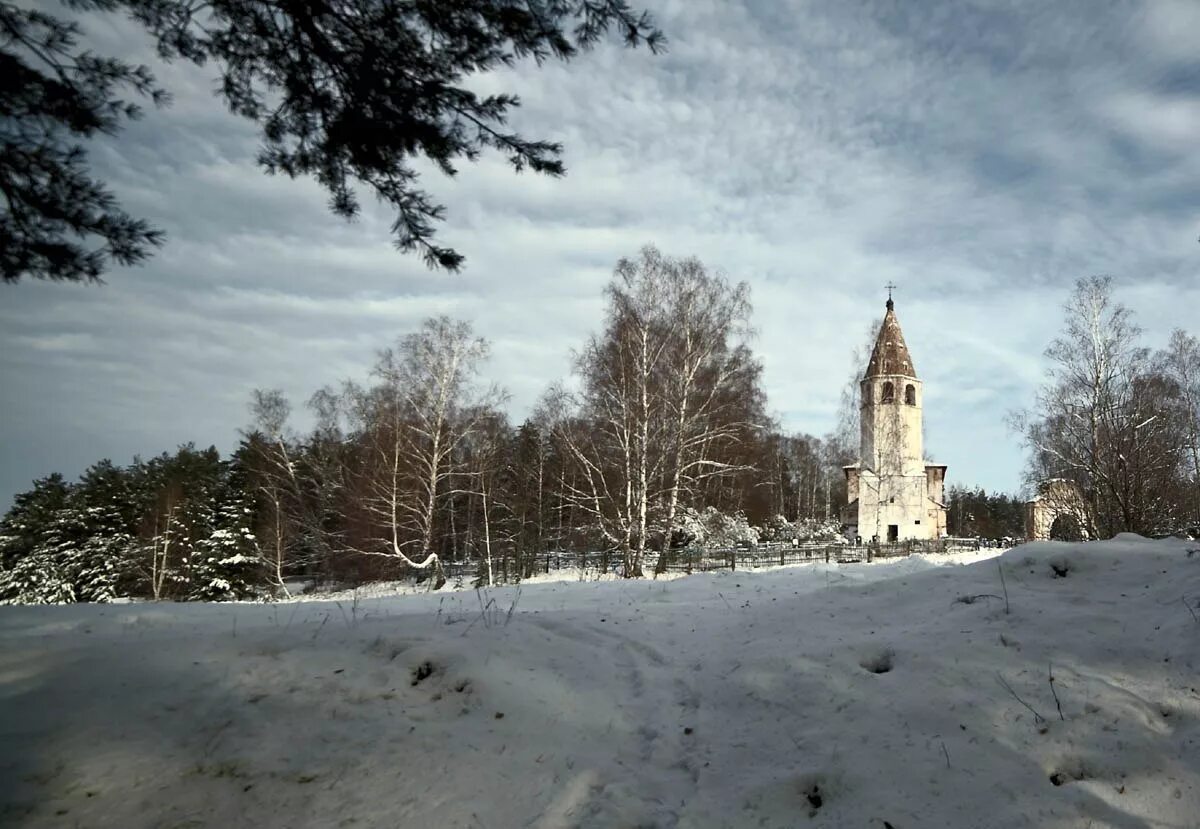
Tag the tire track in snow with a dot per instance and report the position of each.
(653, 775)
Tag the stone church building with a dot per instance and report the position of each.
(893, 494)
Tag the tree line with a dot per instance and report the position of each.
(660, 440)
(975, 513)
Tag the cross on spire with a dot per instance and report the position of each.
(890, 287)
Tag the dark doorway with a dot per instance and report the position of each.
(893, 533)
(1066, 528)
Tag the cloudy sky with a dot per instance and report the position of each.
(981, 155)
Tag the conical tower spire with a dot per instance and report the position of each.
(890, 355)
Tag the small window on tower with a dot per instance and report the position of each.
(889, 393)
(910, 394)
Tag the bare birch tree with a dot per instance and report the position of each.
(1180, 362)
(424, 404)
(163, 529)
(487, 474)
(710, 380)
(274, 472)
(667, 388)
(1105, 420)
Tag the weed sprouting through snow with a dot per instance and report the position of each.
(490, 613)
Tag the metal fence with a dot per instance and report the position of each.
(700, 560)
(778, 554)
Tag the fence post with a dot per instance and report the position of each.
(826, 555)
(547, 563)
(868, 555)
(780, 556)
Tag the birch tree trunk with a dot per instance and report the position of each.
(417, 418)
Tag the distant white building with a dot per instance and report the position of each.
(1057, 511)
(893, 494)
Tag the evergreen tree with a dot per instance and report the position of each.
(23, 527)
(96, 533)
(347, 91)
(79, 550)
(178, 514)
(226, 561)
(54, 94)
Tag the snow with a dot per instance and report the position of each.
(722, 699)
(301, 591)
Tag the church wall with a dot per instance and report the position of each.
(894, 499)
(936, 477)
(937, 520)
(851, 481)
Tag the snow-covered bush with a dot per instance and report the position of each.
(714, 529)
(804, 531)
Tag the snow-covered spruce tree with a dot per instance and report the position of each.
(803, 531)
(24, 528)
(29, 572)
(226, 561)
(181, 507)
(81, 551)
(175, 527)
(37, 578)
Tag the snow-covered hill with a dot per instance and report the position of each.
(900, 695)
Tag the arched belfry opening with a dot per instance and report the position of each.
(910, 394)
(888, 393)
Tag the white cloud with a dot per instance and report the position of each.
(980, 155)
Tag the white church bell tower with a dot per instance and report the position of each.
(894, 495)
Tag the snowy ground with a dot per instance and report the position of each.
(819, 695)
(386, 589)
